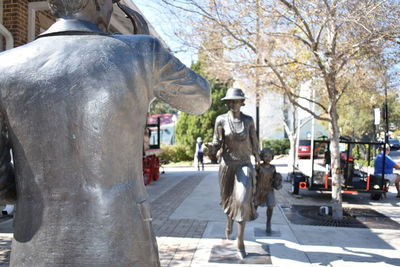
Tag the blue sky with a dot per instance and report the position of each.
(164, 25)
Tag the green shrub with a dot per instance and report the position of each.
(279, 146)
(174, 153)
(360, 154)
(364, 163)
(189, 127)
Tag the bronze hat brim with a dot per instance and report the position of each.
(234, 98)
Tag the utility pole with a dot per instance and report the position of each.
(258, 63)
(386, 113)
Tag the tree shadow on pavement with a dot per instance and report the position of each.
(325, 258)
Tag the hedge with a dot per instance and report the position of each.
(279, 146)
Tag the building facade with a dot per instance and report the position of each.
(22, 20)
(274, 109)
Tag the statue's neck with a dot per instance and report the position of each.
(235, 114)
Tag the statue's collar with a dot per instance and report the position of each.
(71, 27)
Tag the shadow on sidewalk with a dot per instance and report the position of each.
(326, 258)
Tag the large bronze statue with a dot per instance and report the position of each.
(235, 135)
(73, 107)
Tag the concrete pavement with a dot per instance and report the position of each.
(289, 244)
(189, 226)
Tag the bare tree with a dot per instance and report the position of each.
(233, 39)
(287, 42)
(338, 35)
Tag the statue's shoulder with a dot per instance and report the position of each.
(8, 57)
(138, 40)
(247, 118)
(221, 118)
(11, 52)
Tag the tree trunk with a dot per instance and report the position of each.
(331, 86)
(337, 210)
(292, 152)
(292, 132)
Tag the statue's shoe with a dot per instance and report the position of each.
(242, 253)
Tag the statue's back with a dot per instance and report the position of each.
(75, 108)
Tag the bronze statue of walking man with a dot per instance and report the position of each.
(73, 107)
(235, 135)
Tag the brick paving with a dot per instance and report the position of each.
(177, 239)
(167, 203)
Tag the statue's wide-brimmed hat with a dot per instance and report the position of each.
(233, 94)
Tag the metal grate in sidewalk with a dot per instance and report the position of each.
(352, 217)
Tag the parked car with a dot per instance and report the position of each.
(394, 144)
(304, 150)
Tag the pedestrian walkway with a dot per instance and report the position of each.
(189, 226)
(288, 245)
(177, 238)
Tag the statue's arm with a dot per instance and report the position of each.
(277, 180)
(255, 146)
(177, 85)
(7, 180)
(218, 137)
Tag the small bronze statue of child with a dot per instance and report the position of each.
(267, 180)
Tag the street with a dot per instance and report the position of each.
(395, 155)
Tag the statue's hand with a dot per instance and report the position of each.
(258, 161)
(139, 24)
(211, 147)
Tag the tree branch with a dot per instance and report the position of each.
(289, 94)
(343, 91)
(209, 16)
(310, 100)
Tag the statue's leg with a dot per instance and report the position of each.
(270, 210)
(240, 241)
(228, 229)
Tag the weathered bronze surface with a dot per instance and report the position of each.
(73, 108)
(267, 180)
(235, 136)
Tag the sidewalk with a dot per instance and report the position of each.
(191, 233)
(189, 226)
